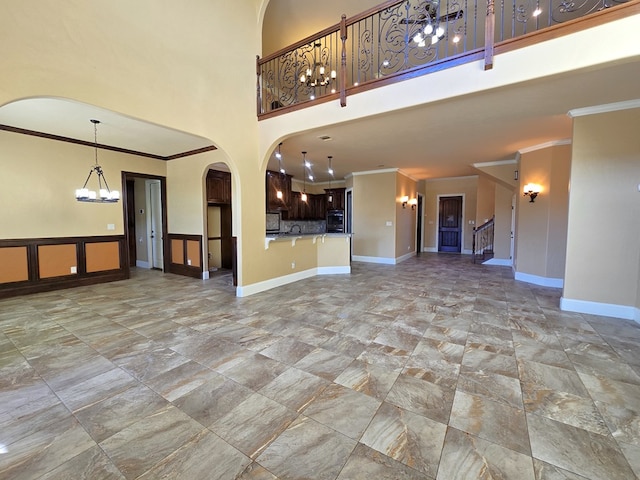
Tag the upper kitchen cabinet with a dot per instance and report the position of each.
(278, 182)
(335, 198)
(219, 187)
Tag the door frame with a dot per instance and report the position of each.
(462, 221)
(150, 214)
(420, 224)
(163, 200)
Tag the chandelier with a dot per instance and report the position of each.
(104, 194)
(316, 75)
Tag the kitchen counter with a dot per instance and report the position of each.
(294, 237)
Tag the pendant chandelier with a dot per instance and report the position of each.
(281, 172)
(316, 75)
(104, 194)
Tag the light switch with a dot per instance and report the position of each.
(111, 226)
(389, 224)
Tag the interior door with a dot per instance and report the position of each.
(450, 225)
(155, 214)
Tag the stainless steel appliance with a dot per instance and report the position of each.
(335, 221)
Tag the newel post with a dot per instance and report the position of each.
(489, 29)
(258, 96)
(343, 66)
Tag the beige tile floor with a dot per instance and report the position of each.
(432, 369)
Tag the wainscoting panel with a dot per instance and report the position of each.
(186, 254)
(43, 264)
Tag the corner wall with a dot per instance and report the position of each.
(542, 225)
(603, 247)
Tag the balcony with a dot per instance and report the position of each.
(399, 40)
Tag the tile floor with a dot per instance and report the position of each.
(432, 369)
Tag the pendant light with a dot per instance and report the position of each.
(303, 195)
(279, 194)
(330, 175)
(104, 194)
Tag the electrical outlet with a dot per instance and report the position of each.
(74, 269)
(189, 261)
(389, 224)
(111, 226)
(293, 264)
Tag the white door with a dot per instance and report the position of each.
(513, 229)
(154, 207)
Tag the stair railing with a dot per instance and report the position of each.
(483, 241)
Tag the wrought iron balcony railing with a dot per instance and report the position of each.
(402, 39)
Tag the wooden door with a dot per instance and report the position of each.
(450, 225)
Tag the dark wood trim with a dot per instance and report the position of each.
(210, 148)
(59, 138)
(35, 284)
(163, 200)
(184, 269)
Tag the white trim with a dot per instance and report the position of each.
(607, 107)
(430, 249)
(542, 281)
(465, 252)
(373, 172)
(540, 146)
(405, 174)
(502, 262)
(405, 257)
(382, 260)
(205, 275)
(497, 163)
(258, 287)
(142, 264)
(334, 270)
(450, 178)
(597, 308)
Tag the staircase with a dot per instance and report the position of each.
(483, 242)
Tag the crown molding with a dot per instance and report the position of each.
(608, 107)
(497, 163)
(554, 143)
(466, 177)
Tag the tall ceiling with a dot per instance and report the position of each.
(441, 139)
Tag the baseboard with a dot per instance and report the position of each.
(205, 275)
(467, 252)
(141, 264)
(382, 260)
(258, 287)
(602, 309)
(430, 250)
(334, 270)
(502, 262)
(537, 280)
(405, 257)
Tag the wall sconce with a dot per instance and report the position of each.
(413, 202)
(404, 199)
(532, 190)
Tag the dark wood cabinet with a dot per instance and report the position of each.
(278, 182)
(335, 198)
(219, 187)
(312, 209)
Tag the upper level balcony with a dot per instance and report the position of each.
(403, 39)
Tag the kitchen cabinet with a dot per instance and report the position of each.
(275, 182)
(335, 198)
(312, 209)
(218, 187)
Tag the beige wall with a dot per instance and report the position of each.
(542, 225)
(465, 186)
(603, 246)
(405, 241)
(486, 200)
(374, 204)
(38, 182)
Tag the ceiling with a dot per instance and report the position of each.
(445, 139)
(70, 119)
(441, 139)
